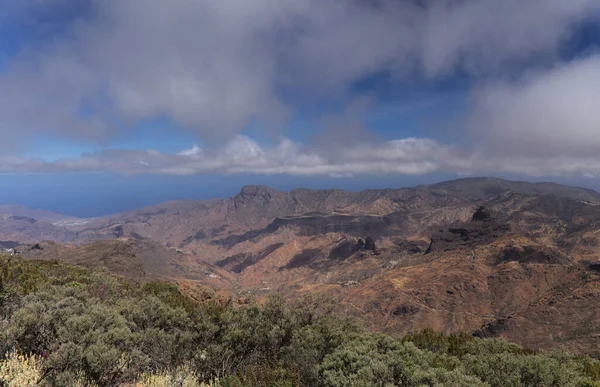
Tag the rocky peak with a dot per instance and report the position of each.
(360, 245)
(251, 192)
(370, 244)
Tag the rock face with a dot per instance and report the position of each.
(370, 244)
(360, 244)
(495, 328)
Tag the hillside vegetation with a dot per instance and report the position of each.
(65, 325)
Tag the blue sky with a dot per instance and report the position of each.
(110, 105)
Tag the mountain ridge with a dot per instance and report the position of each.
(258, 205)
(483, 255)
(259, 189)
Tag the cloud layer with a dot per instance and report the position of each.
(409, 156)
(544, 114)
(215, 66)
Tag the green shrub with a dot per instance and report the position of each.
(507, 369)
(374, 360)
(85, 327)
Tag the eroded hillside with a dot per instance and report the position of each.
(486, 256)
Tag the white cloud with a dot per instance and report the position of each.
(409, 156)
(214, 66)
(553, 114)
(486, 36)
(244, 156)
(194, 151)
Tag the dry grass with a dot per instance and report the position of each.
(182, 378)
(19, 370)
(400, 283)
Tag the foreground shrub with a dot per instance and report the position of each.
(504, 369)
(85, 327)
(371, 360)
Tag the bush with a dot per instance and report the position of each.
(372, 360)
(85, 327)
(507, 369)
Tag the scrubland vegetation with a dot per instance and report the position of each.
(64, 325)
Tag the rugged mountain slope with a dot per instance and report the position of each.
(484, 255)
(521, 267)
(186, 224)
(26, 230)
(134, 259)
(193, 225)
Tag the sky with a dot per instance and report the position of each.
(107, 105)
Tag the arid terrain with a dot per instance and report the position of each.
(483, 255)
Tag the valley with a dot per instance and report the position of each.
(491, 257)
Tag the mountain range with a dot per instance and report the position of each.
(483, 255)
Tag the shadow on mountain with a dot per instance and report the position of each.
(239, 262)
(531, 254)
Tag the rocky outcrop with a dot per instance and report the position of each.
(370, 245)
(495, 328)
(252, 193)
(118, 231)
(429, 248)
